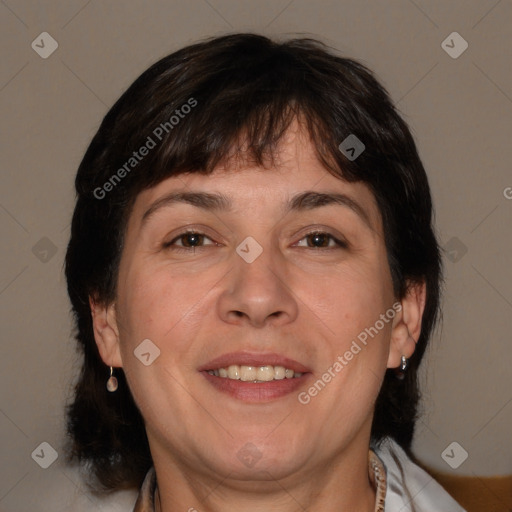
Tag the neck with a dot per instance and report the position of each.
(341, 484)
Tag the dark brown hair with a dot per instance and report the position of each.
(239, 88)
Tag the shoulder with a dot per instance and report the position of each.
(408, 487)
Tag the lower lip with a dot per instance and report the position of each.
(256, 392)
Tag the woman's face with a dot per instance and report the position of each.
(255, 288)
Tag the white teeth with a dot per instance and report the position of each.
(255, 373)
(279, 372)
(248, 373)
(234, 372)
(265, 373)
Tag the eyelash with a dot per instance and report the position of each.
(169, 245)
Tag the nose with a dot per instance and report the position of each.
(258, 293)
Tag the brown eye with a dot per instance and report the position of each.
(191, 239)
(321, 240)
(188, 240)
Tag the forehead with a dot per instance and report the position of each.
(294, 168)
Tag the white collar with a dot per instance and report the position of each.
(408, 487)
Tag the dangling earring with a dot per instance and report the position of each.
(112, 381)
(400, 371)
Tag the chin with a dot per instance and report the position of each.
(262, 458)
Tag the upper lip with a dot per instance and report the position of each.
(253, 359)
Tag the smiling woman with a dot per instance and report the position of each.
(253, 256)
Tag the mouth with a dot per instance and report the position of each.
(255, 377)
(255, 374)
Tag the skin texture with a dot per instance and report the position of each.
(297, 299)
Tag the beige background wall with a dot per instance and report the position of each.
(460, 111)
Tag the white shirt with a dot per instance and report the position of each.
(408, 487)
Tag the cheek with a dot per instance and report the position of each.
(348, 300)
(348, 306)
(165, 308)
(158, 304)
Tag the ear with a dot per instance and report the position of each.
(106, 332)
(407, 324)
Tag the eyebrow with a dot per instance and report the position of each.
(216, 202)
